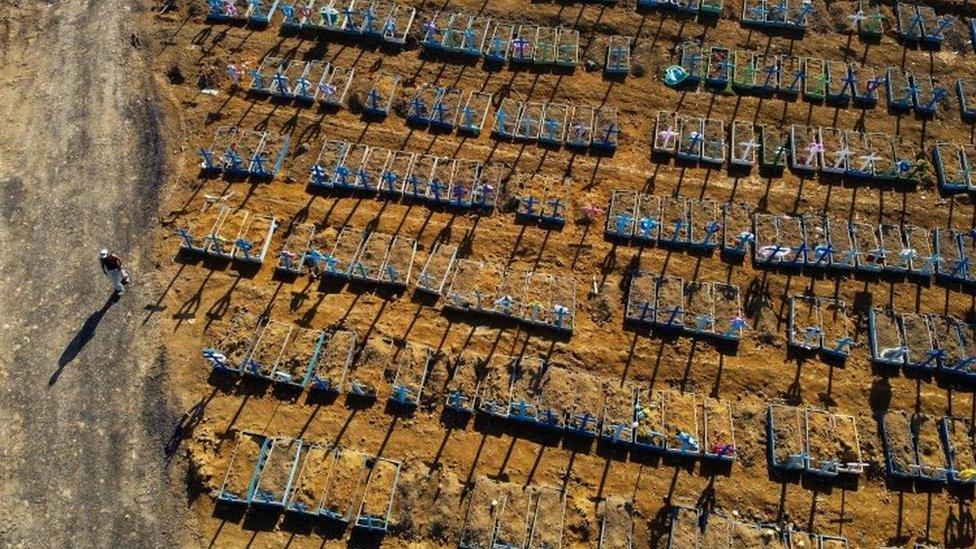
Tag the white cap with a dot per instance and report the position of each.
(103, 253)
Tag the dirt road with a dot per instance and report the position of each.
(81, 400)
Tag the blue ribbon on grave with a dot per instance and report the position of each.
(823, 253)
(647, 226)
(244, 246)
(798, 75)
(455, 399)
(318, 175)
(744, 239)
(342, 176)
(505, 302)
(623, 223)
(736, 325)
(674, 314)
(400, 394)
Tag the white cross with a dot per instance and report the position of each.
(747, 148)
(668, 134)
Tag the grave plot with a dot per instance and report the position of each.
(842, 243)
(481, 519)
(495, 388)
(895, 255)
(508, 297)
(549, 509)
(558, 310)
(649, 433)
(860, 160)
(814, 79)
(472, 287)
(377, 505)
(805, 327)
(713, 141)
(770, 247)
(298, 357)
(606, 130)
(616, 523)
(529, 123)
(841, 82)
(463, 179)
(241, 476)
(835, 155)
(326, 17)
(900, 92)
(545, 46)
(727, 307)
(888, 345)
(530, 381)
(932, 462)
(196, 232)
(287, 76)
(744, 144)
(865, 92)
(238, 157)
(580, 127)
(227, 10)
(618, 56)
(567, 47)
(581, 395)
(462, 385)
(957, 436)
(679, 413)
(514, 517)
(832, 444)
(372, 255)
(720, 67)
(484, 195)
(737, 229)
(837, 340)
(331, 157)
(471, 118)
(898, 438)
(419, 109)
(305, 88)
(870, 256)
(927, 95)
(767, 74)
(554, 120)
(952, 172)
(870, 22)
(437, 268)
(220, 153)
(621, 215)
(276, 471)
(698, 315)
(365, 373)
(670, 302)
(965, 368)
(370, 171)
(690, 138)
(339, 262)
(233, 342)
(542, 199)
(410, 365)
(380, 96)
(328, 372)
(966, 93)
(805, 148)
(267, 349)
(692, 61)
(466, 34)
(397, 24)
(775, 147)
(267, 159)
(499, 38)
(904, 155)
(344, 492)
(955, 263)
(785, 441)
(744, 70)
(881, 150)
(617, 419)
(398, 265)
(311, 480)
(349, 173)
(818, 252)
(946, 336)
(419, 176)
(922, 354)
(318, 249)
(791, 76)
(704, 223)
(261, 82)
(506, 118)
(744, 534)
(293, 253)
(666, 133)
(333, 87)
(685, 528)
(919, 248)
(522, 46)
(446, 108)
(674, 221)
(648, 222)
(717, 430)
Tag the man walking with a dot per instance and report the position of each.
(112, 267)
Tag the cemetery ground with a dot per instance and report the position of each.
(442, 456)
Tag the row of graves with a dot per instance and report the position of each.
(669, 221)
(812, 442)
(955, 166)
(310, 480)
(872, 156)
(697, 308)
(938, 345)
(927, 450)
(819, 325)
(470, 185)
(239, 153)
(553, 124)
(920, 24)
(693, 527)
(221, 232)
(719, 69)
(704, 9)
(503, 514)
(308, 82)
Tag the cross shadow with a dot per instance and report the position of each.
(81, 339)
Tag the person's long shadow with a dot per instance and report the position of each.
(81, 339)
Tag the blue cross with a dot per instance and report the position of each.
(244, 246)
(392, 273)
(798, 75)
(415, 182)
(711, 229)
(459, 193)
(318, 175)
(802, 14)
(389, 179)
(281, 83)
(824, 253)
(342, 176)
(216, 7)
(359, 267)
(288, 11)
(850, 81)
(468, 117)
(645, 309)
(938, 94)
(362, 176)
(610, 134)
(811, 335)
(500, 119)
(232, 158)
(469, 37)
(695, 139)
(647, 226)
(843, 344)
(258, 80)
(618, 58)
(369, 20)
(435, 187)
(208, 159)
(374, 99)
(623, 223)
(419, 107)
(257, 164)
(674, 314)
(551, 126)
(186, 236)
(215, 357)
(936, 355)
(217, 243)
(456, 400)
(744, 239)
(736, 325)
(557, 205)
(303, 85)
(440, 109)
(961, 264)
(389, 28)
(561, 313)
(771, 70)
(944, 23)
(529, 203)
(349, 12)
(497, 48)
(912, 91)
(758, 12)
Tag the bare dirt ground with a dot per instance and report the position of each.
(202, 296)
(85, 420)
